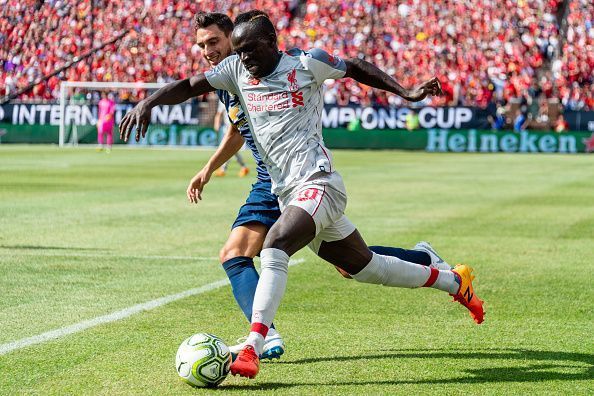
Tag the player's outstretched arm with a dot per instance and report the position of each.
(231, 143)
(368, 74)
(174, 93)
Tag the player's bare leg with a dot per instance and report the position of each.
(351, 252)
(293, 230)
(245, 240)
(349, 255)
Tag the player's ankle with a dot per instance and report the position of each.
(256, 340)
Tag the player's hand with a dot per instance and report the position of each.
(139, 117)
(428, 88)
(194, 191)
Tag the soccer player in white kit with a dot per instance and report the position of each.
(281, 94)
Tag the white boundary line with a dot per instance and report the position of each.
(12, 253)
(114, 316)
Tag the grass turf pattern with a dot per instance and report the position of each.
(85, 234)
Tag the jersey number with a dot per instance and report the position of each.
(305, 195)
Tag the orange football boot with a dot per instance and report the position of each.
(466, 295)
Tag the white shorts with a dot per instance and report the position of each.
(324, 198)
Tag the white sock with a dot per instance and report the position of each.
(392, 271)
(256, 340)
(446, 281)
(269, 292)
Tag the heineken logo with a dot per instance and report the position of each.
(442, 140)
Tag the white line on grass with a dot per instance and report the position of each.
(12, 253)
(114, 316)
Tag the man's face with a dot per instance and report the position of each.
(214, 44)
(257, 53)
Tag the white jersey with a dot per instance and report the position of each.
(284, 111)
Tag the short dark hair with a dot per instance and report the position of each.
(205, 19)
(259, 20)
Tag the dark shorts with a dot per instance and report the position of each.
(261, 206)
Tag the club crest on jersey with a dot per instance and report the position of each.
(292, 80)
(253, 81)
(333, 60)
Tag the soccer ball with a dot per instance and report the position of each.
(203, 360)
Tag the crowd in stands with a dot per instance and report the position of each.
(481, 53)
(574, 70)
(498, 51)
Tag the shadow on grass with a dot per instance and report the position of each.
(39, 247)
(529, 372)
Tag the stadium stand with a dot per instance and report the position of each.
(574, 69)
(480, 53)
(510, 51)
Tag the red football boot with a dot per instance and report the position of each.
(247, 363)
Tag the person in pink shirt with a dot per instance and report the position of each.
(105, 121)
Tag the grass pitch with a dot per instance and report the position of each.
(85, 234)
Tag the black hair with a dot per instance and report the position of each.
(205, 19)
(259, 21)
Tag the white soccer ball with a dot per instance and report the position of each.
(203, 360)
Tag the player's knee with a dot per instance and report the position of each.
(281, 237)
(276, 239)
(222, 255)
(229, 252)
(294, 230)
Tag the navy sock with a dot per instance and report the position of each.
(412, 256)
(244, 279)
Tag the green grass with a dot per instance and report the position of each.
(85, 234)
